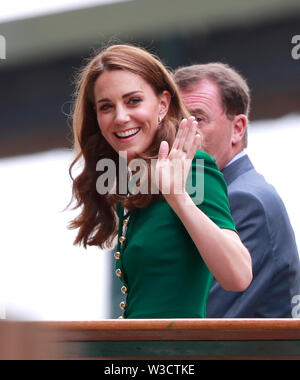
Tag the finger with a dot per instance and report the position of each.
(192, 128)
(163, 150)
(185, 132)
(179, 133)
(196, 142)
(188, 135)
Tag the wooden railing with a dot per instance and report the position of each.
(152, 339)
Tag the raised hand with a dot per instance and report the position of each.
(173, 165)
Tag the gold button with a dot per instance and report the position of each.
(122, 305)
(119, 272)
(117, 255)
(122, 239)
(124, 289)
(125, 222)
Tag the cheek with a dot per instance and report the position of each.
(146, 115)
(103, 123)
(148, 112)
(206, 132)
(98, 119)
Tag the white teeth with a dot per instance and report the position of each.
(128, 133)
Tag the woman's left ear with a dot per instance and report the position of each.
(165, 99)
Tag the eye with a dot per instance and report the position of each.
(105, 107)
(135, 100)
(199, 119)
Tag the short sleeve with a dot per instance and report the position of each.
(208, 189)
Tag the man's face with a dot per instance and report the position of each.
(203, 100)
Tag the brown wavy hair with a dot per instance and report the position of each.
(97, 221)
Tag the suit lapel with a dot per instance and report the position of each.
(237, 168)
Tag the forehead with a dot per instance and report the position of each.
(119, 81)
(204, 94)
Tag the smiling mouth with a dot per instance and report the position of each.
(128, 133)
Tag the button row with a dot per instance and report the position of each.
(117, 256)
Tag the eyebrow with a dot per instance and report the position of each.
(198, 110)
(123, 97)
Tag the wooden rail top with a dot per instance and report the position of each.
(152, 338)
(169, 329)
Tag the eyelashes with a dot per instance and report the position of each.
(105, 107)
(131, 102)
(135, 100)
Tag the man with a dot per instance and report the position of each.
(219, 99)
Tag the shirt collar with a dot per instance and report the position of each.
(236, 157)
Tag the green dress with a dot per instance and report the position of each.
(162, 273)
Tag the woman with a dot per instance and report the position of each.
(169, 248)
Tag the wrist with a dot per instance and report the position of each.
(178, 200)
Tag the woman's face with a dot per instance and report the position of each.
(128, 110)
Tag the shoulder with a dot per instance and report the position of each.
(213, 177)
(247, 203)
(258, 210)
(209, 160)
(209, 190)
(252, 188)
(209, 166)
(257, 201)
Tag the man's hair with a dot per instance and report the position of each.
(234, 90)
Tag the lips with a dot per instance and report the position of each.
(127, 133)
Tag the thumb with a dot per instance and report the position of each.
(163, 150)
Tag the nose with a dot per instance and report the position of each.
(121, 115)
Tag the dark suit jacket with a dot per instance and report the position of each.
(264, 227)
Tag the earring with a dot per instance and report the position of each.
(159, 119)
